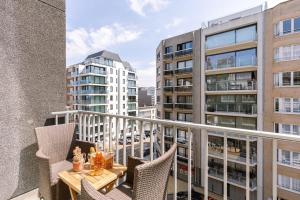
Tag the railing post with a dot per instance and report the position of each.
(110, 134)
(151, 141)
(94, 128)
(80, 126)
(124, 139)
(117, 139)
(274, 170)
(67, 118)
(99, 128)
(89, 128)
(247, 169)
(132, 138)
(225, 167)
(84, 127)
(190, 164)
(162, 139)
(141, 129)
(205, 159)
(56, 119)
(175, 164)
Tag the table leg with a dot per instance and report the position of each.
(110, 186)
(73, 194)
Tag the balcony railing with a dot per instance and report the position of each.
(87, 121)
(168, 72)
(168, 89)
(87, 81)
(232, 63)
(242, 108)
(183, 88)
(168, 56)
(187, 106)
(92, 92)
(183, 52)
(183, 70)
(94, 71)
(231, 85)
(168, 105)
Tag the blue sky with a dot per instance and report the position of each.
(134, 28)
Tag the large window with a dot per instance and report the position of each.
(168, 50)
(287, 128)
(287, 26)
(184, 46)
(287, 79)
(185, 64)
(231, 37)
(184, 117)
(287, 53)
(289, 158)
(287, 105)
(232, 59)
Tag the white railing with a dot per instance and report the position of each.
(88, 124)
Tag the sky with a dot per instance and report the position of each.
(134, 28)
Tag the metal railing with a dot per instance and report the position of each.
(88, 124)
(242, 108)
(231, 85)
(231, 63)
(183, 52)
(183, 70)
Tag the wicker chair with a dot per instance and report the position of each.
(149, 182)
(55, 145)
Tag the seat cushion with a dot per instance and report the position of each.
(58, 167)
(123, 191)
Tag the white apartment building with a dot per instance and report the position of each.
(103, 83)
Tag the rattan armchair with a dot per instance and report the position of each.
(149, 182)
(55, 145)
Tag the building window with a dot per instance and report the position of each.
(287, 53)
(167, 115)
(286, 78)
(111, 107)
(184, 117)
(168, 50)
(296, 78)
(111, 88)
(287, 105)
(111, 79)
(123, 73)
(287, 129)
(123, 106)
(123, 89)
(185, 64)
(123, 81)
(184, 46)
(111, 97)
(168, 66)
(297, 24)
(111, 70)
(287, 26)
(124, 97)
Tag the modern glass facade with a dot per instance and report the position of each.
(232, 37)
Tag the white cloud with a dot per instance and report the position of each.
(138, 6)
(174, 23)
(81, 42)
(146, 74)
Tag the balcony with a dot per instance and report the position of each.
(94, 72)
(168, 72)
(87, 102)
(168, 105)
(183, 70)
(92, 92)
(235, 177)
(184, 88)
(168, 89)
(231, 85)
(185, 106)
(232, 63)
(168, 56)
(88, 82)
(238, 108)
(183, 52)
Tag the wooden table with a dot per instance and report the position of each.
(106, 180)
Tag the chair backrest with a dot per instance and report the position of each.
(55, 141)
(151, 179)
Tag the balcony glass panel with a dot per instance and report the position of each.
(246, 34)
(221, 39)
(246, 58)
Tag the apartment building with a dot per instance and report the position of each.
(103, 83)
(282, 99)
(245, 74)
(177, 90)
(147, 96)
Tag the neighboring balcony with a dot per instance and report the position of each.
(132, 77)
(183, 70)
(168, 105)
(132, 107)
(184, 88)
(248, 109)
(231, 62)
(183, 52)
(87, 102)
(168, 56)
(168, 72)
(87, 82)
(231, 85)
(132, 93)
(168, 88)
(185, 106)
(94, 72)
(92, 92)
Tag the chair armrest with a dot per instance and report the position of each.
(85, 147)
(88, 192)
(132, 163)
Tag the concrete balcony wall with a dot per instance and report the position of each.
(32, 60)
